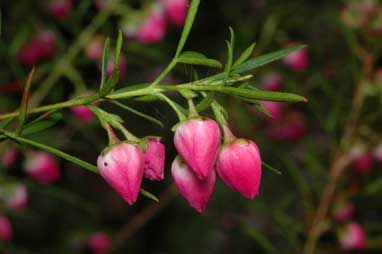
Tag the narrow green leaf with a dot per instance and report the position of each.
(262, 240)
(131, 88)
(244, 56)
(24, 103)
(105, 62)
(136, 112)
(149, 195)
(195, 58)
(5, 123)
(110, 83)
(52, 150)
(265, 59)
(269, 167)
(118, 49)
(187, 26)
(43, 124)
(178, 110)
(230, 46)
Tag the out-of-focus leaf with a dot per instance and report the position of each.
(43, 124)
(265, 59)
(193, 9)
(149, 195)
(269, 167)
(24, 103)
(196, 58)
(244, 56)
(105, 62)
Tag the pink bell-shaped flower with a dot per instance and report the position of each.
(239, 165)
(99, 242)
(122, 167)
(352, 236)
(291, 127)
(154, 159)
(197, 192)
(17, 197)
(60, 8)
(9, 157)
(176, 11)
(43, 167)
(6, 231)
(153, 29)
(297, 60)
(361, 160)
(197, 141)
(343, 210)
(41, 47)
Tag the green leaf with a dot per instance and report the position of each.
(42, 124)
(149, 195)
(244, 56)
(136, 112)
(52, 150)
(188, 25)
(231, 46)
(110, 83)
(178, 110)
(265, 59)
(118, 48)
(130, 88)
(24, 102)
(269, 167)
(105, 117)
(5, 123)
(105, 62)
(195, 58)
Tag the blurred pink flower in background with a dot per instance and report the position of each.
(9, 157)
(60, 8)
(352, 236)
(153, 29)
(297, 60)
(99, 242)
(18, 197)
(6, 231)
(41, 47)
(291, 127)
(361, 160)
(94, 48)
(43, 167)
(176, 11)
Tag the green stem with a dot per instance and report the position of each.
(179, 113)
(169, 67)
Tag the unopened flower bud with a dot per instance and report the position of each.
(352, 236)
(60, 8)
(15, 197)
(361, 160)
(197, 141)
(43, 167)
(6, 231)
(153, 29)
(154, 160)
(9, 157)
(122, 167)
(297, 60)
(99, 242)
(176, 11)
(197, 192)
(239, 166)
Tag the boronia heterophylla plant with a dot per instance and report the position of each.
(206, 146)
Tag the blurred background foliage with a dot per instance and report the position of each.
(61, 216)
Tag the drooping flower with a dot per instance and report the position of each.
(9, 157)
(361, 160)
(99, 242)
(122, 167)
(153, 29)
(60, 8)
(16, 197)
(352, 236)
(197, 141)
(239, 165)
(297, 60)
(154, 160)
(41, 47)
(94, 48)
(343, 210)
(43, 167)
(176, 10)
(197, 192)
(6, 231)
(82, 112)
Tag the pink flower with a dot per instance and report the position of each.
(99, 242)
(197, 141)
(352, 236)
(343, 211)
(362, 161)
(274, 108)
(18, 198)
(60, 8)
(197, 192)
(43, 167)
(82, 112)
(176, 10)
(297, 60)
(153, 29)
(271, 82)
(6, 231)
(41, 47)
(154, 159)
(239, 166)
(122, 167)
(94, 48)
(290, 127)
(10, 157)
